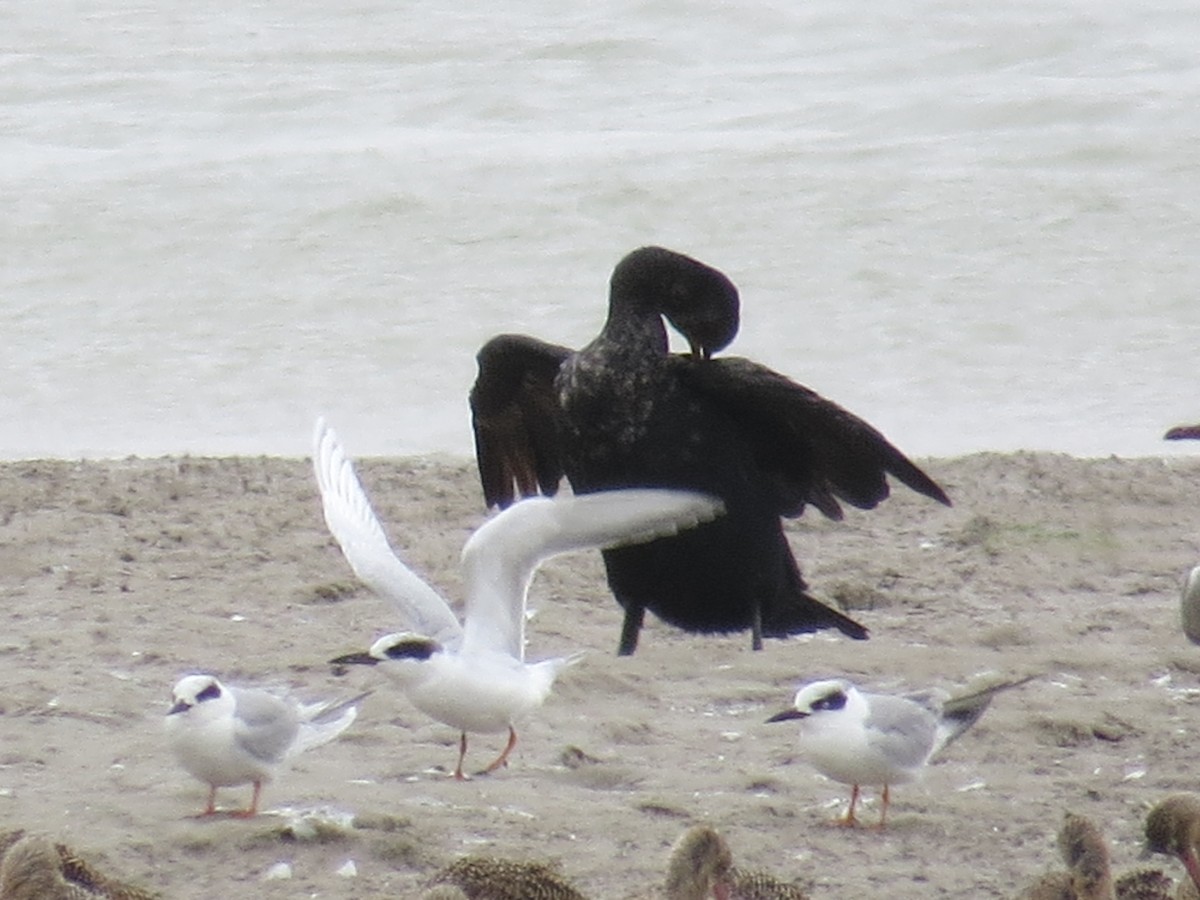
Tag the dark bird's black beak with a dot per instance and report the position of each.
(787, 715)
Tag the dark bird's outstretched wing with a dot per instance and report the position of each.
(515, 414)
(814, 451)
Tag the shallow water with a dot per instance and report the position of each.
(974, 227)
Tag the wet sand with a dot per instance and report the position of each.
(118, 577)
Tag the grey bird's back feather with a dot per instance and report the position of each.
(908, 738)
(264, 725)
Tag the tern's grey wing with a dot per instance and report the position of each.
(499, 559)
(264, 725)
(933, 699)
(354, 525)
(905, 730)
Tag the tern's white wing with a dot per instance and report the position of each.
(354, 525)
(500, 558)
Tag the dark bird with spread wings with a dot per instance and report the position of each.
(625, 412)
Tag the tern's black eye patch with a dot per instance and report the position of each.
(836, 700)
(414, 648)
(212, 692)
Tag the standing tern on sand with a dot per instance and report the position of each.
(860, 738)
(473, 676)
(226, 736)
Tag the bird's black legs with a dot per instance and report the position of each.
(756, 628)
(630, 629)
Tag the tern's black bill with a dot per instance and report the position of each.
(355, 659)
(787, 715)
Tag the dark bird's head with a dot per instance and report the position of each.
(699, 301)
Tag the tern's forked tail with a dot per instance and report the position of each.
(961, 712)
(323, 722)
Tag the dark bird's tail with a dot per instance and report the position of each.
(795, 611)
(805, 613)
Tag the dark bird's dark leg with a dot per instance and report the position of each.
(630, 629)
(756, 634)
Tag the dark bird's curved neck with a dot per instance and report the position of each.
(634, 327)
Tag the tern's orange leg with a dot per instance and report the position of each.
(252, 811)
(211, 808)
(887, 798)
(849, 820)
(462, 754)
(502, 759)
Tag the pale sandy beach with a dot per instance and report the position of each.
(118, 577)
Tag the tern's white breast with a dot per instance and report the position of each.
(485, 693)
(208, 752)
(843, 748)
